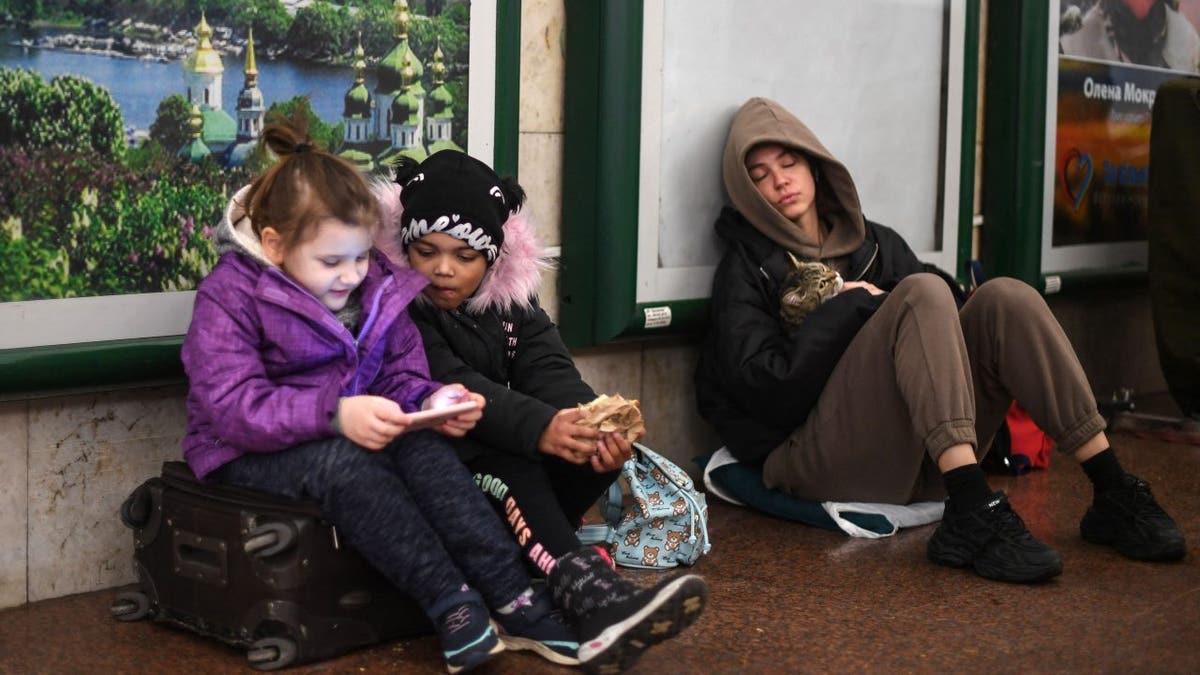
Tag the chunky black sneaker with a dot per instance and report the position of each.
(468, 637)
(613, 637)
(541, 628)
(993, 540)
(1127, 518)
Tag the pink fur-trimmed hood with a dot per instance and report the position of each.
(512, 281)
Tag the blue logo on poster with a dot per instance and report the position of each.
(1077, 175)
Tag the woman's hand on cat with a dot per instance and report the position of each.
(871, 288)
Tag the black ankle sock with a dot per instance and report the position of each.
(967, 487)
(1103, 470)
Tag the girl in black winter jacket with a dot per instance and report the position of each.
(455, 221)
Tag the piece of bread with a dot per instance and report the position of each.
(614, 414)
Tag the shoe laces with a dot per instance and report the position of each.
(1004, 522)
(537, 611)
(1134, 497)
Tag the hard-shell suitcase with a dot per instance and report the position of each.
(259, 572)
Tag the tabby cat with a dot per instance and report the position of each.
(805, 288)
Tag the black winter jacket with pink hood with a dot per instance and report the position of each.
(500, 343)
(758, 379)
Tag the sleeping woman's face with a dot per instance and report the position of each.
(784, 178)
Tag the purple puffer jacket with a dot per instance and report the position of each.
(267, 362)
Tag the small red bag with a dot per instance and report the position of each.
(1028, 439)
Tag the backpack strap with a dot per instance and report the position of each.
(612, 503)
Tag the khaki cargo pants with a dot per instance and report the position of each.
(921, 376)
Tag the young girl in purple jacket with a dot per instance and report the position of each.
(304, 368)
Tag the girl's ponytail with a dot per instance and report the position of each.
(306, 184)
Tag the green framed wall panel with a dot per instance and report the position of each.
(620, 104)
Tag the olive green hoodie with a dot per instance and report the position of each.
(762, 120)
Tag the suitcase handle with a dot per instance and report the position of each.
(268, 539)
(200, 558)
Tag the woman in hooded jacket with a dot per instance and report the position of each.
(455, 221)
(889, 391)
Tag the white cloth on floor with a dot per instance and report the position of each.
(898, 516)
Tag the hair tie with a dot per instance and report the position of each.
(304, 147)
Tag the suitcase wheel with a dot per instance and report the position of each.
(269, 539)
(135, 510)
(130, 606)
(271, 653)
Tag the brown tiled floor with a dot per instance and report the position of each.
(791, 598)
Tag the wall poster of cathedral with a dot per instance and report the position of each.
(125, 127)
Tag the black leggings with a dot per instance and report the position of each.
(542, 500)
(402, 508)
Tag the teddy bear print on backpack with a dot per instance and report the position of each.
(667, 523)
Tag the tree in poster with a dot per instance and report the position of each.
(69, 114)
(170, 128)
(76, 217)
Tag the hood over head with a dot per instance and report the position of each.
(235, 233)
(762, 120)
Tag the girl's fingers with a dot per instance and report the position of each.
(580, 447)
(605, 456)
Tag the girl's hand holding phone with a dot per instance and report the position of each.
(451, 411)
(370, 421)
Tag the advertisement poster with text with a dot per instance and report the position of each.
(1113, 56)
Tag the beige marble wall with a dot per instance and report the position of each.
(66, 464)
(673, 426)
(540, 145)
(86, 453)
(14, 502)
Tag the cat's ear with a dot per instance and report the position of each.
(795, 261)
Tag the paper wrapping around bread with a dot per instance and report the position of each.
(614, 414)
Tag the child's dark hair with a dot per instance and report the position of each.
(306, 185)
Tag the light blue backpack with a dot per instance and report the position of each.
(667, 523)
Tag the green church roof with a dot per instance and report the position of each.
(391, 155)
(357, 102)
(440, 103)
(391, 68)
(438, 146)
(194, 150)
(361, 160)
(219, 127)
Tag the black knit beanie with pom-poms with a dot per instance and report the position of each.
(453, 193)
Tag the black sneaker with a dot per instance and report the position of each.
(993, 540)
(468, 637)
(1127, 518)
(540, 628)
(614, 637)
